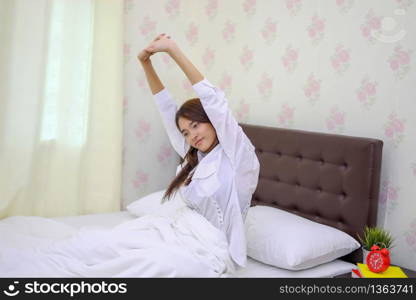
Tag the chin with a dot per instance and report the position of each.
(205, 149)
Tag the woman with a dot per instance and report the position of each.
(222, 169)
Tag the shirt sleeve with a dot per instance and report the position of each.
(167, 109)
(229, 133)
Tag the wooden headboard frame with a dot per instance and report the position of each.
(328, 178)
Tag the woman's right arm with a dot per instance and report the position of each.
(152, 79)
(165, 103)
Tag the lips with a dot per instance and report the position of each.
(197, 143)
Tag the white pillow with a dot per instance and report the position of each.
(151, 204)
(288, 241)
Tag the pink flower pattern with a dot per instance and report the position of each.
(192, 34)
(410, 235)
(172, 8)
(265, 87)
(142, 130)
(294, 6)
(367, 92)
(243, 111)
(400, 62)
(394, 129)
(141, 180)
(228, 31)
(187, 86)
(404, 4)
(209, 58)
(344, 5)
(336, 120)
(269, 31)
(340, 60)
(312, 89)
(212, 8)
(290, 59)
(164, 154)
(368, 89)
(246, 59)
(141, 83)
(389, 195)
(226, 83)
(249, 7)
(316, 29)
(167, 60)
(371, 26)
(285, 117)
(147, 28)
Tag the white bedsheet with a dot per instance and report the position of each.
(255, 269)
(183, 245)
(62, 227)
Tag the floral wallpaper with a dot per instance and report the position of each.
(336, 66)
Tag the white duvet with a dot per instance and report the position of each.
(184, 244)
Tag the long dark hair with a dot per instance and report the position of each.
(192, 110)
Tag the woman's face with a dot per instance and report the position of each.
(199, 135)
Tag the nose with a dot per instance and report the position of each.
(195, 138)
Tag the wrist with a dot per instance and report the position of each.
(146, 62)
(173, 49)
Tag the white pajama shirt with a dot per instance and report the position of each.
(225, 178)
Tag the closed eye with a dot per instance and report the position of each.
(195, 125)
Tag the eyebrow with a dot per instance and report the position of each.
(190, 123)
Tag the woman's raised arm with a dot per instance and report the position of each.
(152, 79)
(165, 103)
(185, 64)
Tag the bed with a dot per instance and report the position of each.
(326, 178)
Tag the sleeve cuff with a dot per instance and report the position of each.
(203, 87)
(163, 94)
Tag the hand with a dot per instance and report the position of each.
(162, 43)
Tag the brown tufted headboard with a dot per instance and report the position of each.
(328, 178)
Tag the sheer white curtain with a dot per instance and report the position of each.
(60, 107)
